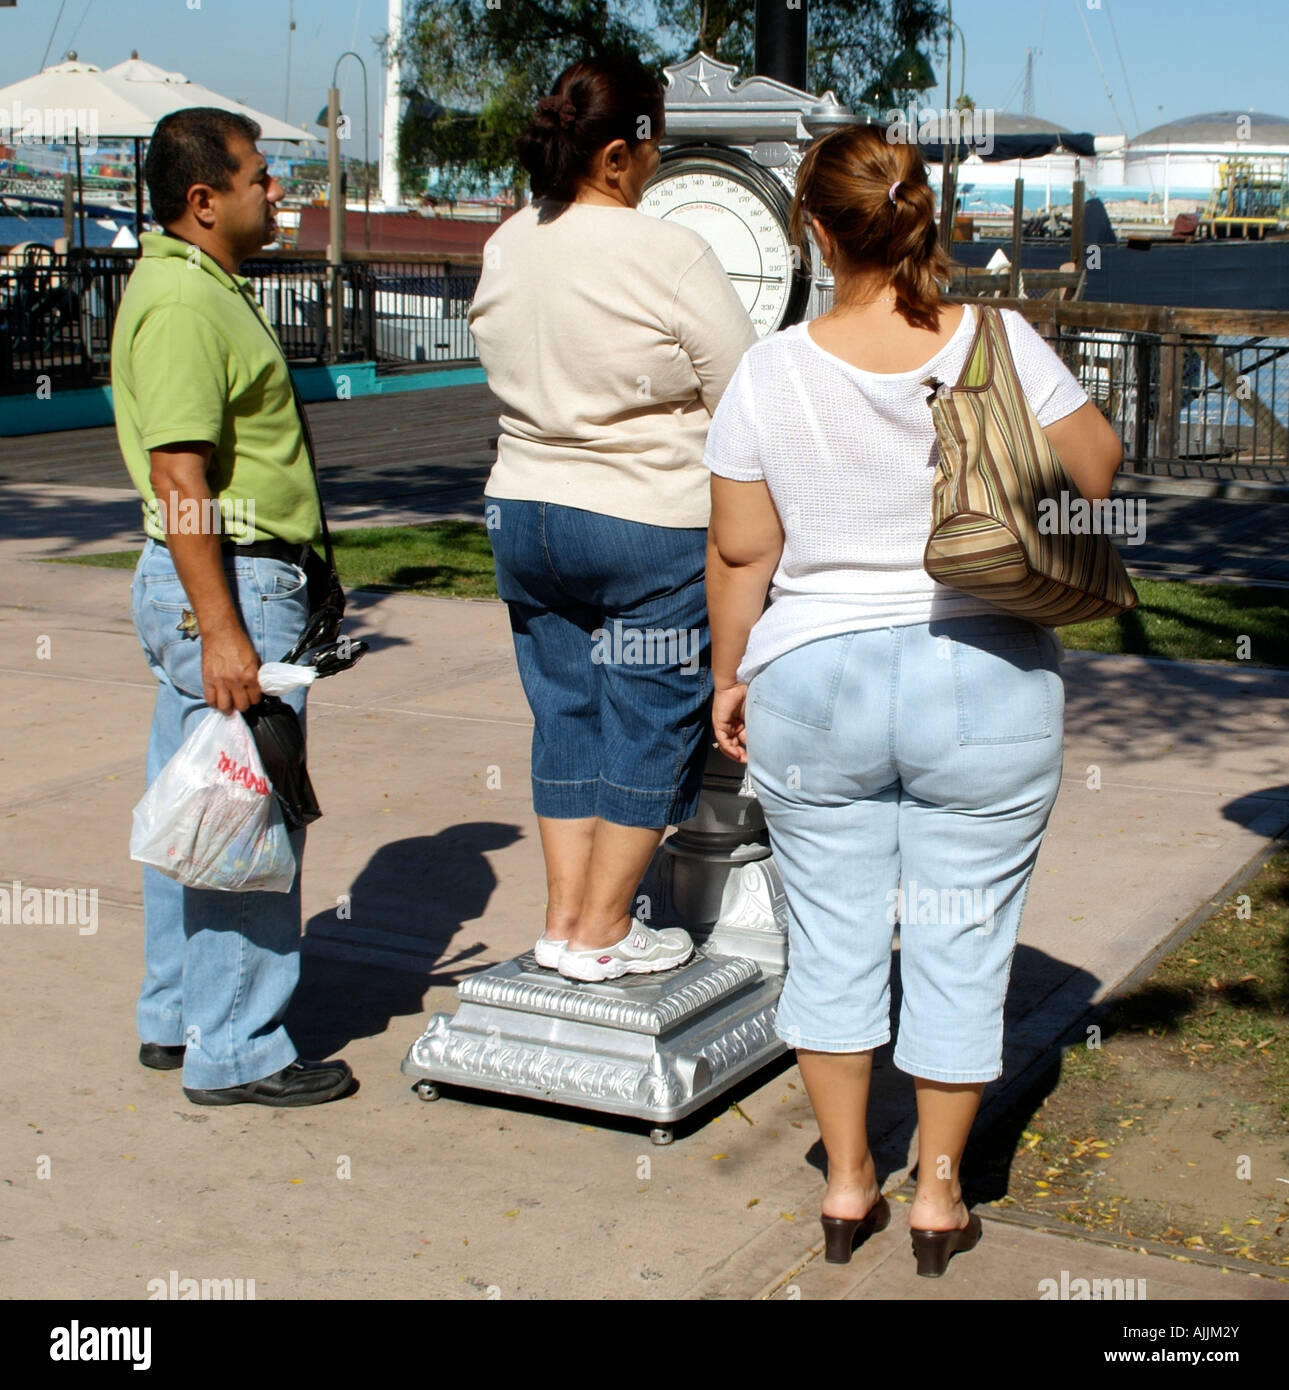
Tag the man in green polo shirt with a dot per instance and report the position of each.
(213, 440)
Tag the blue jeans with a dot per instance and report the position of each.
(220, 968)
(907, 775)
(609, 619)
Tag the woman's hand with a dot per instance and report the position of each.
(727, 721)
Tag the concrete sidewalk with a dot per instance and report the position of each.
(429, 848)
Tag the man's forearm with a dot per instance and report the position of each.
(197, 557)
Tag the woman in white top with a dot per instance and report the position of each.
(903, 738)
(609, 337)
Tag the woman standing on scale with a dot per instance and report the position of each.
(609, 337)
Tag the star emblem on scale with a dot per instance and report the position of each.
(700, 80)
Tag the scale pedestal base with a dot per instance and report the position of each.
(655, 1047)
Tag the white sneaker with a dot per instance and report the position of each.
(548, 951)
(642, 951)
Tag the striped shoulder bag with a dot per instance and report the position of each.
(996, 471)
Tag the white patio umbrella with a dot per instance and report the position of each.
(158, 92)
(79, 104)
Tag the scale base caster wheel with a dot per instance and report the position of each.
(661, 1135)
(427, 1090)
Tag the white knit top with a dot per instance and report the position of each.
(849, 457)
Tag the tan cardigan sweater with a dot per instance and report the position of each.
(609, 336)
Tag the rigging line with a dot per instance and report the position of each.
(52, 32)
(1123, 69)
(1078, 5)
(1012, 91)
(88, 7)
(307, 65)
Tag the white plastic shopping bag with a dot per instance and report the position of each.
(211, 818)
(280, 677)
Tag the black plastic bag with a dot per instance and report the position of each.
(280, 741)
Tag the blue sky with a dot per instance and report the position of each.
(1181, 56)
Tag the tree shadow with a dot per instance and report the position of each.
(1197, 708)
(1136, 1009)
(423, 454)
(1044, 997)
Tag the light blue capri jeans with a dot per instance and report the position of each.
(907, 775)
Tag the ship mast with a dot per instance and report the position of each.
(391, 192)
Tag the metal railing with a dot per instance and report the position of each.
(1190, 392)
(1179, 401)
(57, 313)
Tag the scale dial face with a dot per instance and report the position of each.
(741, 211)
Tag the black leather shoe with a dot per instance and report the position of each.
(300, 1083)
(160, 1057)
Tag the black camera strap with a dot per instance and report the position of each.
(305, 430)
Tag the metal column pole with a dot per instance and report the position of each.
(336, 238)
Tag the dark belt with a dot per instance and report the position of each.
(271, 550)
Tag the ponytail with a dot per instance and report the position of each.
(874, 200)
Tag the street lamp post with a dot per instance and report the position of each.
(949, 172)
(336, 234)
(349, 53)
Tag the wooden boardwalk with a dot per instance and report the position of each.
(426, 455)
(425, 451)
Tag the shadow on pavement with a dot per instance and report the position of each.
(408, 905)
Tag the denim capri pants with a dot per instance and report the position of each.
(609, 619)
(907, 775)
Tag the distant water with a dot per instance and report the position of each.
(1268, 380)
(983, 199)
(46, 229)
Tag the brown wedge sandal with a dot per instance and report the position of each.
(843, 1233)
(934, 1248)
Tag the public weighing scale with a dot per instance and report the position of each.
(658, 1047)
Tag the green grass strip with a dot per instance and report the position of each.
(1174, 619)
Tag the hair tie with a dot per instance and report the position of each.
(891, 191)
(562, 106)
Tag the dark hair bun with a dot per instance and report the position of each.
(561, 110)
(592, 103)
